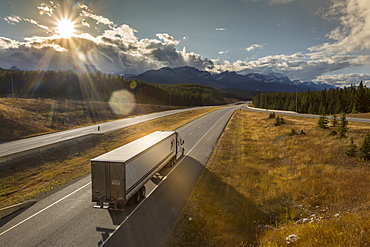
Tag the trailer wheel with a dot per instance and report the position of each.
(142, 192)
(134, 199)
(137, 197)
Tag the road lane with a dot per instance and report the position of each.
(33, 143)
(291, 113)
(68, 219)
(153, 221)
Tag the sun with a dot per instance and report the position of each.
(65, 28)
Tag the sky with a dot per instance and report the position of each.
(324, 41)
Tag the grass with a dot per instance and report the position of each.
(36, 175)
(262, 185)
(21, 118)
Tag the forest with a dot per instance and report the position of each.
(353, 99)
(100, 86)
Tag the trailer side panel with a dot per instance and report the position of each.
(144, 165)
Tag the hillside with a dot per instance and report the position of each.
(21, 118)
(100, 87)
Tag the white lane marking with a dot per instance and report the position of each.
(133, 211)
(42, 210)
(190, 133)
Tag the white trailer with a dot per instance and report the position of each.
(119, 176)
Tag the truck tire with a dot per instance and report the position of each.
(134, 199)
(137, 197)
(142, 192)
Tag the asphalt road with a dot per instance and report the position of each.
(67, 217)
(39, 143)
(291, 113)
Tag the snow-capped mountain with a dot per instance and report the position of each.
(228, 80)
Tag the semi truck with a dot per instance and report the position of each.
(119, 176)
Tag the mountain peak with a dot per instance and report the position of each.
(276, 82)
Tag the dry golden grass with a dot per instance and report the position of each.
(21, 118)
(34, 175)
(260, 183)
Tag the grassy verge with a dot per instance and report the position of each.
(262, 185)
(35, 175)
(21, 118)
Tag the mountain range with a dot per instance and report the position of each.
(228, 81)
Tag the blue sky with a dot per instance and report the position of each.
(310, 40)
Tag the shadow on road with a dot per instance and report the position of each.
(104, 233)
(152, 223)
(8, 218)
(153, 220)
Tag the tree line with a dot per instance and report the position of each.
(353, 99)
(100, 86)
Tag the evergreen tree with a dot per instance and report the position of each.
(361, 99)
(279, 121)
(351, 149)
(364, 153)
(272, 115)
(334, 123)
(323, 122)
(343, 129)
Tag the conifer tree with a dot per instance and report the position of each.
(364, 153)
(351, 149)
(343, 129)
(334, 123)
(323, 121)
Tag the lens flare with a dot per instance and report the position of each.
(122, 102)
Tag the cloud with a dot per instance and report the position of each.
(297, 66)
(342, 80)
(6, 43)
(36, 23)
(47, 9)
(116, 49)
(222, 52)
(353, 34)
(12, 19)
(86, 12)
(220, 29)
(253, 47)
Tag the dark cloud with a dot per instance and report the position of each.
(166, 54)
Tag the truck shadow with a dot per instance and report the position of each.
(155, 218)
(217, 214)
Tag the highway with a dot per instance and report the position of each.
(67, 216)
(292, 113)
(24, 147)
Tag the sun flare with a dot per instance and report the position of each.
(65, 28)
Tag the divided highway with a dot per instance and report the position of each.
(292, 113)
(67, 217)
(21, 148)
